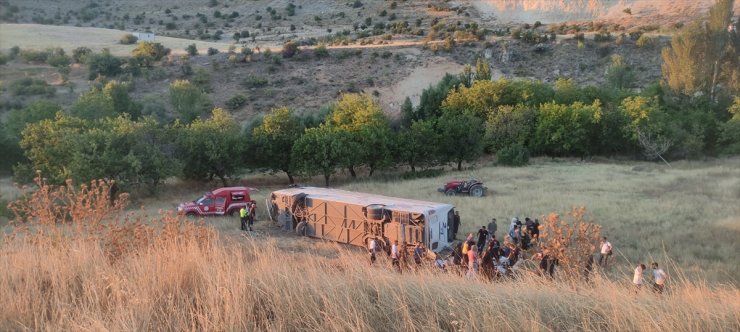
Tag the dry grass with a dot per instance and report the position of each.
(162, 273)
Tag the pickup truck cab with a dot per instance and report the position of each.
(219, 202)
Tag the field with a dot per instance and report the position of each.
(213, 277)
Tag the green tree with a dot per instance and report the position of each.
(211, 148)
(146, 53)
(192, 50)
(730, 131)
(34, 112)
(321, 150)
(273, 141)
(619, 75)
(417, 145)
(367, 129)
(510, 125)
(567, 129)
(461, 137)
(407, 113)
(94, 104)
(430, 105)
(103, 64)
(482, 70)
(700, 51)
(188, 101)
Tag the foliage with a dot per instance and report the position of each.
(461, 137)
(235, 102)
(321, 150)
(188, 101)
(321, 51)
(513, 155)
(430, 105)
(483, 96)
(619, 75)
(730, 131)
(645, 41)
(703, 56)
(33, 112)
(567, 129)
(510, 125)
(128, 39)
(132, 153)
(571, 242)
(111, 100)
(417, 145)
(103, 64)
(33, 56)
(192, 50)
(482, 70)
(290, 48)
(212, 147)
(407, 112)
(273, 140)
(146, 53)
(212, 51)
(30, 86)
(254, 81)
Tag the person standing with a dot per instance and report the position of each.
(455, 224)
(440, 263)
(372, 249)
(243, 217)
(472, 262)
(418, 253)
(395, 256)
(606, 251)
(482, 237)
(492, 226)
(250, 214)
(659, 278)
(637, 280)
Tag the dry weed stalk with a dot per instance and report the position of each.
(571, 241)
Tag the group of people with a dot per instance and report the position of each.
(399, 254)
(246, 215)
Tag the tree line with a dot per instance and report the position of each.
(693, 111)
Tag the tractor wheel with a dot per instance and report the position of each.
(476, 191)
(450, 192)
(191, 215)
(300, 229)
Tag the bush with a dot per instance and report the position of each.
(513, 155)
(128, 39)
(192, 50)
(426, 173)
(212, 51)
(59, 61)
(645, 41)
(79, 55)
(321, 51)
(104, 64)
(29, 87)
(253, 81)
(34, 56)
(235, 102)
(3, 59)
(290, 48)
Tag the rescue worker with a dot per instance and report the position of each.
(243, 217)
(251, 214)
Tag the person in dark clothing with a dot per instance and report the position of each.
(547, 264)
(455, 224)
(536, 231)
(495, 247)
(482, 237)
(589, 267)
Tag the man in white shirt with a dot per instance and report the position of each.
(659, 278)
(395, 255)
(373, 248)
(637, 280)
(606, 251)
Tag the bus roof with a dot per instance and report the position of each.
(364, 199)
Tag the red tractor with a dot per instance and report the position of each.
(470, 187)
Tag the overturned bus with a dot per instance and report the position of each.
(356, 218)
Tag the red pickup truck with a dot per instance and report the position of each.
(219, 202)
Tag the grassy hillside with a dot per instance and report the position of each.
(143, 272)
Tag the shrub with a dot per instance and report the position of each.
(212, 51)
(128, 39)
(103, 64)
(192, 50)
(235, 102)
(321, 51)
(645, 41)
(29, 86)
(253, 81)
(290, 48)
(34, 56)
(513, 155)
(3, 59)
(79, 55)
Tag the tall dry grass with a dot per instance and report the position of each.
(170, 274)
